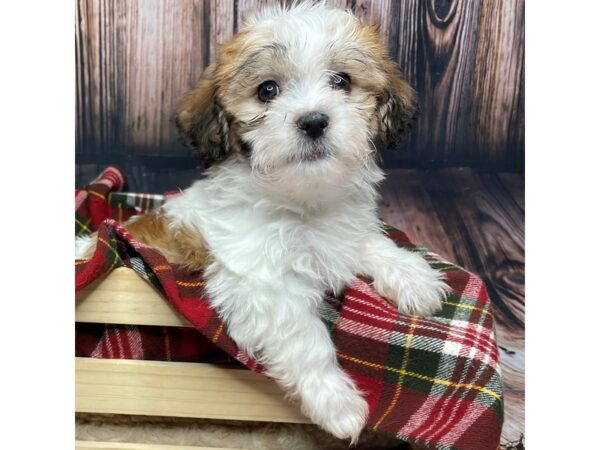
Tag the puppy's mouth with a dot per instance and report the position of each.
(314, 152)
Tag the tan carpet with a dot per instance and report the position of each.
(212, 433)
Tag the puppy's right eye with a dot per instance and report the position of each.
(340, 81)
(267, 91)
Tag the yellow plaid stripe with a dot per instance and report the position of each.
(421, 377)
(402, 373)
(218, 333)
(190, 284)
(84, 226)
(116, 259)
(97, 195)
(462, 305)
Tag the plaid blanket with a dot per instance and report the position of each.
(434, 382)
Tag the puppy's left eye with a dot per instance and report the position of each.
(267, 91)
(340, 81)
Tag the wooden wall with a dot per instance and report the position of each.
(136, 58)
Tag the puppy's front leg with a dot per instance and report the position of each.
(403, 277)
(278, 324)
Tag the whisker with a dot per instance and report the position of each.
(254, 120)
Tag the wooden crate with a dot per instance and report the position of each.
(159, 388)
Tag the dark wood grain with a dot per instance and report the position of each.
(466, 61)
(136, 59)
(498, 104)
(515, 184)
(406, 204)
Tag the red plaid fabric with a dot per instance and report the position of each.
(434, 382)
(103, 198)
(154, 343)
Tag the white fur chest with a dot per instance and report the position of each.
(264, 240)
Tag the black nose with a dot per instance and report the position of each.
(313, 123)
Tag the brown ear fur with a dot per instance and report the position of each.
(397, 107)
(203, 122)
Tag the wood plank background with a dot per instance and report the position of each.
(136, 59)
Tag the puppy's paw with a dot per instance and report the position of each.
(413, 286)
(337, 407)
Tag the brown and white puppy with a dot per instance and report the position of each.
(286, 119)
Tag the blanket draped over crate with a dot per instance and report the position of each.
(434, 382)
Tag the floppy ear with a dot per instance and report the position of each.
(396, 109)
(203, 122)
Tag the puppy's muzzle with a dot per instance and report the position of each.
(313, 124)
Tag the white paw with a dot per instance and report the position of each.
(337, 407)
(413, 286)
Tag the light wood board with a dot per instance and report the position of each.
(158, 388)
(123, 297)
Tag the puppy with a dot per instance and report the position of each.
(286, 119)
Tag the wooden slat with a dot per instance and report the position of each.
(158, 388)
(124, 298)
(447, 39)
(90, 445)
(498, 112)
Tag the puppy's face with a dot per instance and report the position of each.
(300, 94)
